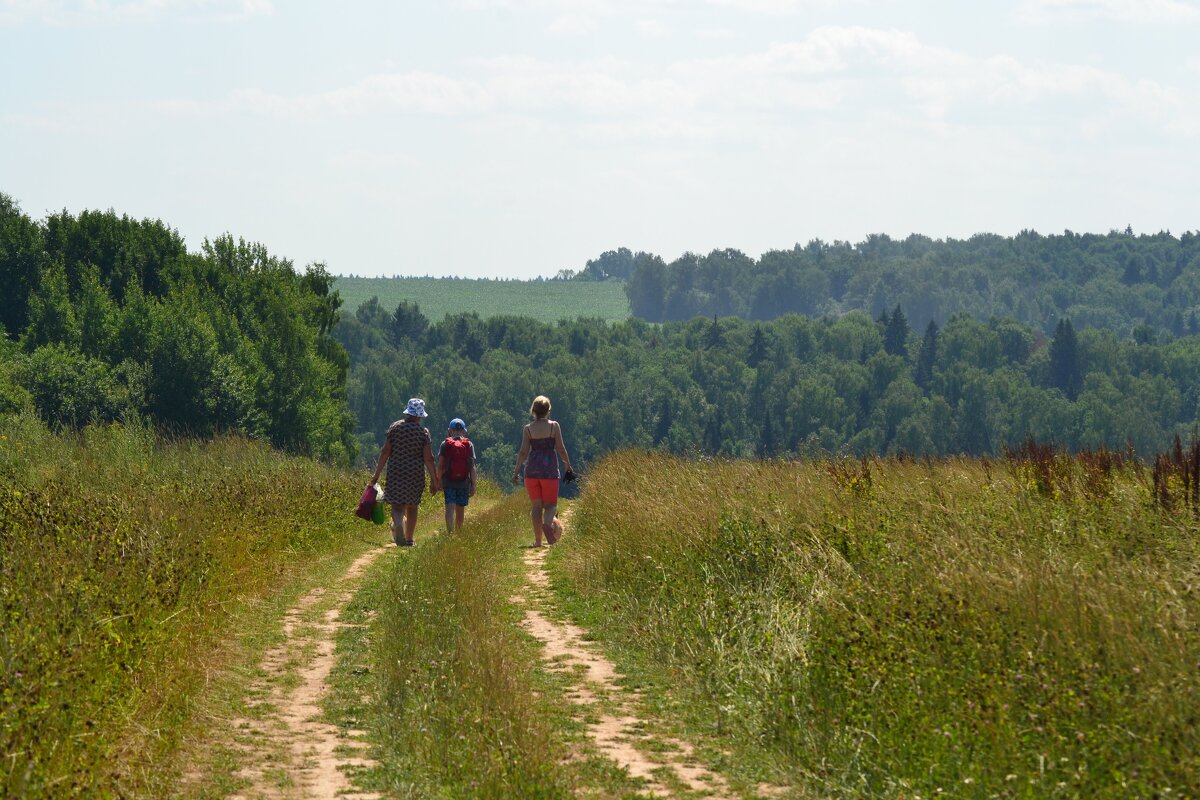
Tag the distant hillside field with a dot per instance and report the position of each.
(544, 300)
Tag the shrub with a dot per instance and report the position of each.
(69, 388)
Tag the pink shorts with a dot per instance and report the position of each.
(544, 489)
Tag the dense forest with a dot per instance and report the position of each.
(109, 317)
(791, 386)
(1144, 285)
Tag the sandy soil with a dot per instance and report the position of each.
(617, 732)
(291, 753)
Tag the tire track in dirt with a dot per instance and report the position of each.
(618, 732)
(291, 754)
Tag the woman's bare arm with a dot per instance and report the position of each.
(383, 459)
(522, 454)
(435, 482)
(561, 447)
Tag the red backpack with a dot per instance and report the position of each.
(458, 458)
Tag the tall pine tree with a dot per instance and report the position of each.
(1065, 373)
(758, 347)
(768, 439)
(926, 357)
(895, 334)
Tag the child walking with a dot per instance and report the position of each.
(456, 466)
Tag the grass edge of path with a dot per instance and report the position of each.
(209, 756)
(461, 704)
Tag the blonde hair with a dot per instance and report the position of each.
(540, 407)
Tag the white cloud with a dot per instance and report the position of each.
(573, 25)
(833, 65)
(715, 34)
(563, 7)
(640, 7)
(91, 12)
(652, 28)
(850, 71)
(830, 50)
(410, 92)
(502, 85)
(40, 123)
(1137, 11)
(777, 6)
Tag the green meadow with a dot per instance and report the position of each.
(1016, 628)
(127, 565)
(959, 628)
(543, 300)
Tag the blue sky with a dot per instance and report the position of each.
(514, 138)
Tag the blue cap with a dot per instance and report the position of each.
(457, 424)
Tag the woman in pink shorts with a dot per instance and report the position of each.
(541, 447)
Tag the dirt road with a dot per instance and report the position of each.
(290, 753)
(666, 764)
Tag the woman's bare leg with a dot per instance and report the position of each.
(548, 516)
(535, 516)
(397, 524)
(410, 523)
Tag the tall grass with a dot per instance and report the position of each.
(458, 713)
(118, 554)
(904, 629)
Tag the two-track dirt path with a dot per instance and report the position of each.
(289, 752)
(616, 730)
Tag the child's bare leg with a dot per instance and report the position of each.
(450, 517)
(535, 515)
(459, 513)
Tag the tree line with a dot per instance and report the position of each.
(792, 386)
(108, 317)
(1145, 286)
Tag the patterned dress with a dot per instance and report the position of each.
(406, 462)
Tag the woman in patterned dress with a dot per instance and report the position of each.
(541, 447)
(408, 453)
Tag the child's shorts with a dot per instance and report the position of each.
(457, 497)
(544, 489)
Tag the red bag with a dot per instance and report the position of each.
(458, 458)
(366, 503)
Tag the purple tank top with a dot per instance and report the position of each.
(542, 461)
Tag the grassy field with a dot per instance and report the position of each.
(960, 628)
(451, 654)
(544, 300)
(888, 629)
(123, 563)
(462, 706)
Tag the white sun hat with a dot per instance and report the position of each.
(416, 408)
